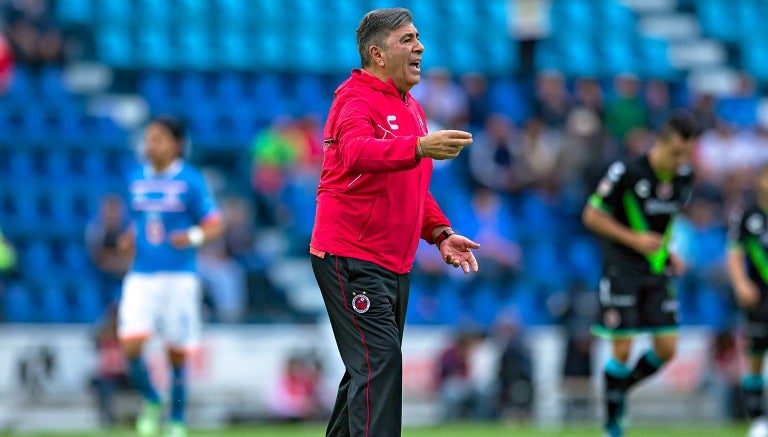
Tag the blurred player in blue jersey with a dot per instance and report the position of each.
(173, 213)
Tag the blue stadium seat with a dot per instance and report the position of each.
(232, 14)
(51, 84)
(754, 58)
(194, 12)
(573, 16)
(193, 88)
(615, 17)
(507, 98)
(618, 55)
(153, 12)
(53, 304)
(229, 87)
(739, 111)
(154, 49)
(87, 305)
(269, 95)
(579, 57)
(114, 12)
(21, 164)
(502, 57)
(57, 164)
(36, 257)
(654, 58)
(310, 94)
(232, 50)
(21, 87)
(195, 49)
(18, 305)
(115, 48)
(75, 11)
(717, 19)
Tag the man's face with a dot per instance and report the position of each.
(160, 145)
(677, 152)
(402, 57)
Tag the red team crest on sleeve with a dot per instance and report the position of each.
(361, 303)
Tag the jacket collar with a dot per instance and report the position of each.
(361, 77)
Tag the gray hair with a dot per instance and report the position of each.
(376, 26)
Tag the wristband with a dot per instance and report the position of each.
(419, 148)
(442, 236)
(196, 236)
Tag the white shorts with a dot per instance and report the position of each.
(164, 303)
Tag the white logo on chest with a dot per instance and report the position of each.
(391, 119)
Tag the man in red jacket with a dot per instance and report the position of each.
(373, 204)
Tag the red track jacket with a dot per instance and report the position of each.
(373, 201)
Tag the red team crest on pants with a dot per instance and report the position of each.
(361, 303)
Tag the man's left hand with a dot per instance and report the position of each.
(457, 251)
(677, 265)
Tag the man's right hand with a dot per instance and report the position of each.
(747, 293)
(647, 242)
(444, 144)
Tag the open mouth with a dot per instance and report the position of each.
(416, 65)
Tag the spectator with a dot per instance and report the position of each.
(515, 371)
(222, 275)
(657, 103)
(296, 395)
(111, 373)
(704, 111)
(101, 238)
(32, 32)
(495, 158)
(478, 103)
(552, 102)
(458, 397)
(444, 102)
(541, 147)
(627, 110)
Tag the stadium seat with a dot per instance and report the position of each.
(755, 58)
(87, 305)
(21, 164)
(618, 55)
(232, 51)
(195, 49)
(18, 306)
(153, 12)
(114, 12)
(74, 12)
(53, 303)
(229, 87)
(654, 58)
(21, 86)
(154, 49)
(115, 48)
(507, 98)
(36, 257)
(57, 164)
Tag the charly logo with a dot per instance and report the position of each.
(361, 303)
(391, 119)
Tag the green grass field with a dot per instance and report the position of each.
(459, 430)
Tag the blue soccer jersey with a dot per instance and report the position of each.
(161, 203)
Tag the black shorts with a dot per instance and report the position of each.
(633, 302)
(757, 326)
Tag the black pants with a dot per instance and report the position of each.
(366, 305)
